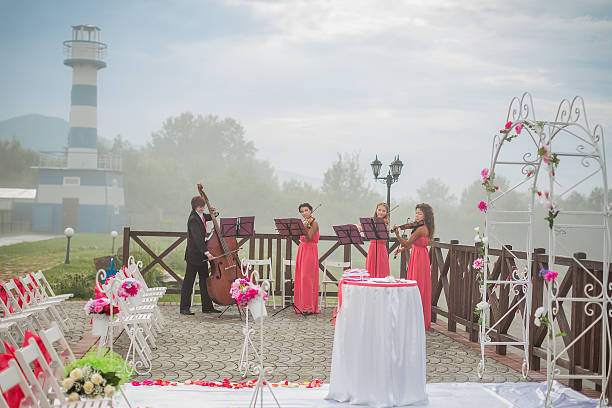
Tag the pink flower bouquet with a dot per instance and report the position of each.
(243, 290)
(129, 288)
(99, 305)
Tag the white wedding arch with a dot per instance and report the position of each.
(542, 151)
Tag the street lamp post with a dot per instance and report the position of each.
(114, 234)
(395, 169)
(68, 232)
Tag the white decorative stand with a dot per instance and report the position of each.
(256, 367)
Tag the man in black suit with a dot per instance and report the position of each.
(197, 256)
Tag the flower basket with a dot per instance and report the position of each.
(99, 325)
(93, 377)
(244, 291)
(257, 307)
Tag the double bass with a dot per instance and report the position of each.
(225, 265)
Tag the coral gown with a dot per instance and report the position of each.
(420, 271)
(377, 261)
(306, 285)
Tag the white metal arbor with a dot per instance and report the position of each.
(571, 138)
(520, 162)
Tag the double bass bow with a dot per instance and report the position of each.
(225, 265)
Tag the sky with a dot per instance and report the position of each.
(430, 80)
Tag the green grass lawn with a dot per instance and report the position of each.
(78, 277)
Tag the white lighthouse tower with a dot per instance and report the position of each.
(85, 54)
(81, 187)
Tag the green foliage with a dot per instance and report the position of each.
(110, 364)
(79, 283)
(552, 214)
(16, 165)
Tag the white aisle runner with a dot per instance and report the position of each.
(441, 395)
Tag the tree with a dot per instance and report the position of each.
(345, 178)
(436, 193)
(16, 165)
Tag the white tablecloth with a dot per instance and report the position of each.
(378, 357)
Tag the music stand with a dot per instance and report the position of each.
(236, 227)
(290, 227)
(374, 229)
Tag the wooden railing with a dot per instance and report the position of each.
(455, 290)
(260, 246)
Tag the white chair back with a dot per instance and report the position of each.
(50, 337)
(43, 284)
(13, 377)
(252, 263)
(26, 356)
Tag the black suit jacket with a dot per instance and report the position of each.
(196, 245)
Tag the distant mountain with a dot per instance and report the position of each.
(36, 132)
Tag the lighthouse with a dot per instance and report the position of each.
(80, 187)
(85, 54)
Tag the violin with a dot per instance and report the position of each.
(308, 222)
(410, 225)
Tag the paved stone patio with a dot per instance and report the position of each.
(205, 347)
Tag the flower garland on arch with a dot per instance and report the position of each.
(479, 267)
(540, 315)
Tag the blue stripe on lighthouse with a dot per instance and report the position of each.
(84, 95)
(82, 137)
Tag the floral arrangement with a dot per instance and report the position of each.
(243, 290)
(482, 206)
(548, 203)
(487, 180)
(479, 266)
(129, 288)
(518, 127)
(99, 305)
(548, 157)
(540, 315)
(227, 384)
(94, 377)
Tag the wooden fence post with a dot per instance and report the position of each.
(433, 263)
(452, 278)
(126, 245)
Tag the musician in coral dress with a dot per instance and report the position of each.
(377, 261)
(418, 266)
(306, 285)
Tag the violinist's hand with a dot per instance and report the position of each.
(209, 256)
(396, 252)
(359, 228)
(213, 210)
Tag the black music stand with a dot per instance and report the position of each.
(374, 229)
(233, 228)
(290, 227)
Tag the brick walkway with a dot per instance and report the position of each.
(208, 348)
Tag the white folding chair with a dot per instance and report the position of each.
(53, 338)
(37, 298)
(133, 268)
(38, 313)
(48, 392)
(136, 325)
(252, 263)
(327, 281)
(13, 377)
(45, 288)
(287, 264)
